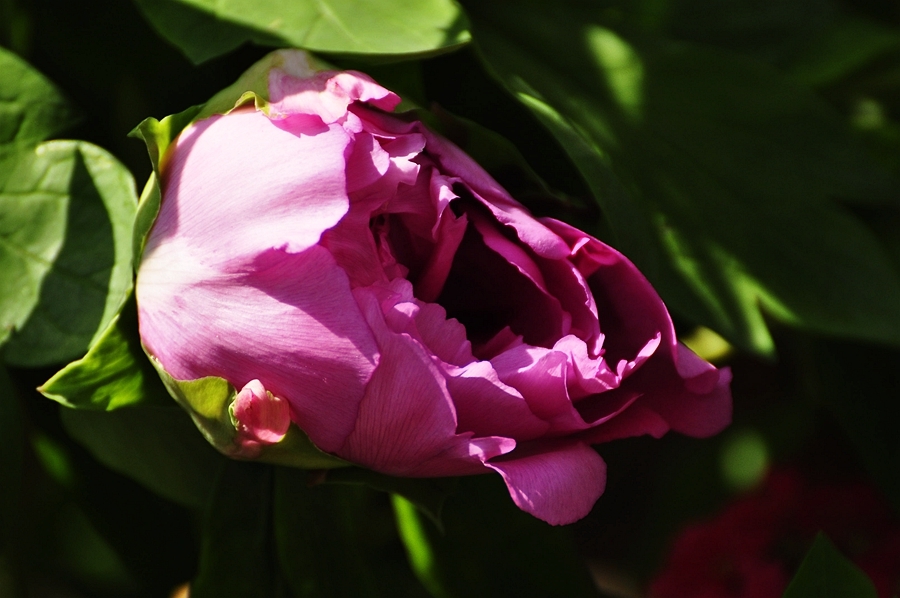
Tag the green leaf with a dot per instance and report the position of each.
(115, 372)
(31, 108)
(235, 555)
(66, 213)
(203, 29)
(156, 446)
(771, 30)
(715, 172)
(826, 573)
(11, 457)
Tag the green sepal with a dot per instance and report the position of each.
(115, 372)
(158, 135)
(208, 401)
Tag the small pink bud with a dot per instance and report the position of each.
(260, 416)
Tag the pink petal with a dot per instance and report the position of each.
(558, 485)
(450, 232)
(700, 376)
(485, 405)
(261, 416)
(453, 162)
(630, 311)
(407, 422)
(326, 94)
(540, 375)
(636, 420)
(220, 166)
(486, 293)
(288, 320)
(566, 283)
(692, 413)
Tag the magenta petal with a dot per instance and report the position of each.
(540, 375)
(453, 162)
(559, 486)
(693, 413)
(636, 420)
(700, 376)
(566, 283)
(446, 339)
(407, 422)
(487, 406)
(450, 234)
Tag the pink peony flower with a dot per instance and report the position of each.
(416, 319)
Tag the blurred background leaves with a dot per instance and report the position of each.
(743, 154)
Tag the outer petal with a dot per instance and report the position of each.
(485, 405)
(288, 320)
(237, 185)
(246, 294)
(558, 484)
(540, 375)
(688, 409)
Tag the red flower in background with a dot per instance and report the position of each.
(751, 548)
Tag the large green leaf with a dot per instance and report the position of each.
(715, 172)
(203, 29)
(66, 213)
(31, 108)
(114, 373)
(157, 446)
(826, 573)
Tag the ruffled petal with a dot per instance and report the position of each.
(455, 163)
(540, 375)
(559, 484)
(407, 421)
(688, 409)
(326, 94)
(485, 405)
